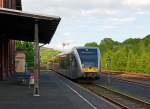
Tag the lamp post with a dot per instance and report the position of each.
(108, 68)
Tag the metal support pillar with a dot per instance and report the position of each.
(36, 61)
(108, 69)
(14, 55)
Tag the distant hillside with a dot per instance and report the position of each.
(130, 55)
(47, 54)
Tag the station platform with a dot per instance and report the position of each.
(56, 92)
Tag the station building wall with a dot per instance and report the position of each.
(8, 47)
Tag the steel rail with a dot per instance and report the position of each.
(121, 106)
(117, 105)
(145, 105)
(129, 81)
(132, 81)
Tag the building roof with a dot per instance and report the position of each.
(18, 25)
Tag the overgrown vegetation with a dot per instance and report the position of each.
(47, 54)
(130, 55)
(29, 49)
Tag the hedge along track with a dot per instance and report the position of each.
(121, 100)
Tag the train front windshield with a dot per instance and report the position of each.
(88, 57)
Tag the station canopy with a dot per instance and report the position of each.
(18, 25)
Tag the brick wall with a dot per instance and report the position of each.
(12, 4)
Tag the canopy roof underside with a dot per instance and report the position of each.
(17, 25)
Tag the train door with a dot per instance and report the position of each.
(74, 67)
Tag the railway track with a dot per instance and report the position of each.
(119, 99)
(130, 87)
(130, 81)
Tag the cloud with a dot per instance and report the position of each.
(123, 19)
(67, 8)
(67, 38)
(84, 8)
(67, 34)
(89, 18)
(137, 4)
(59, 45)
(142, 13)
(110, 27)
(99, 12)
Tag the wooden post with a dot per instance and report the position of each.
(3, 60)
(0, 60)
(36, 60)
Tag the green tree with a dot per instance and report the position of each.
(47, 54)
(29, 49)
(130, 55)
(91, 44)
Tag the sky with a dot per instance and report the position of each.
(93, 20)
